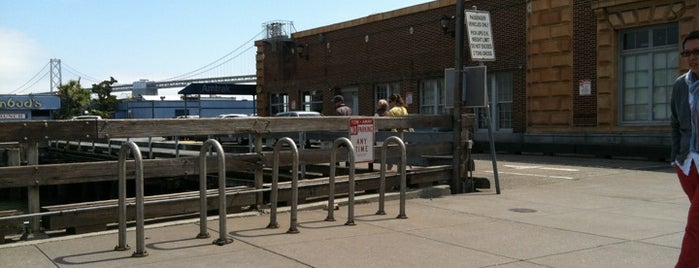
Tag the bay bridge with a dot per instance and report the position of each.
(219, 70)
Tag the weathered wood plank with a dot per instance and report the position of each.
(56, 174)
(132, 128)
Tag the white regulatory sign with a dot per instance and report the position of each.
(361, 134)
(480, 35)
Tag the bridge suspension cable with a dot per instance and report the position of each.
(80, 74)
(218, 62)
(23, 87)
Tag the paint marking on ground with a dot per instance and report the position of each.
(533, 175)
(540, 167)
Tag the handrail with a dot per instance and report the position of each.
(331, 184)
(222, 209)
(294, 185)
(127, 147)
(401, 170)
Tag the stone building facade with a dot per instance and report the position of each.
(580, 75)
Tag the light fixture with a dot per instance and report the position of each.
(447, 24)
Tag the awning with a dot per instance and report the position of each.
(219, 88)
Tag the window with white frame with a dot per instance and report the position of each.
(500, 92)
(279, 102)
(432, 96)
(311, 101)
(384, 91)
(648, 68)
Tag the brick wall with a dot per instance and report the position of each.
(403, 46)
(584, 63)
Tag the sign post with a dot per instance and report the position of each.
(361, 132)
(480, 40)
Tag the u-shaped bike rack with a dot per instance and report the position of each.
(401, 170)
(294, 185)
(331, 185)
(222, 208)
(127, 147)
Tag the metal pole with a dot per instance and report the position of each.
(458, 83)
(222, 208)
(401, 170)
(294, 185)
(131, 146)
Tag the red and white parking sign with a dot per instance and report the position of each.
(361, 132)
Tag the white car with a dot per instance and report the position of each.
(298, 114)
(87, 117)
(231, 115)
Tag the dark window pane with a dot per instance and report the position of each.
(660, 37)
(629, 40)
(673, 36)
(642, 39)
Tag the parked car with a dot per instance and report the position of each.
(87, 117)
(187, 116)
(298, 114)
(307, 142)
(231, 115)
(242, 139)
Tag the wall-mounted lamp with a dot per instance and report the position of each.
(447, 24)
(302, 51)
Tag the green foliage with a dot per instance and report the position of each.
(74, 100)
(106, 103)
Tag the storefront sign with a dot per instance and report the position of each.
(29, 102)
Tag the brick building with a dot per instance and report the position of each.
(578, 76)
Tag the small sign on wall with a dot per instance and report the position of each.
(585, 87)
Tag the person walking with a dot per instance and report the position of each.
(381, 108)
(340, 107)
(685, 145)
(397, 109)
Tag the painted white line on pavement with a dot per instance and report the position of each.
(533, 175)
(540, 167)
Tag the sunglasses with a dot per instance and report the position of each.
(688, 53)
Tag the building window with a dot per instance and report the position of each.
(649, 64)
(500, 93)
(384, 91)
(279, 102)
(432, 96)
(311, 101)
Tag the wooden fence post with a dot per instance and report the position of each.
(258, 172)
(31, 150)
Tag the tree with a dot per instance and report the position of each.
(106, 103)
(74, 100)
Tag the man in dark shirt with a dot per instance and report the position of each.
(340, 107)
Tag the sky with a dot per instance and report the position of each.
(149, 39)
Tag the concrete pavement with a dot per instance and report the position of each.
(553, 212)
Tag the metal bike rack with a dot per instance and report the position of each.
(294, 186)
(222, 208)
(331, 185)
(401, 170)
(127, 147)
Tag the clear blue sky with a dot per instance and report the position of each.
(148, 39)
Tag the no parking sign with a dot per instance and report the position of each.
(361, 132)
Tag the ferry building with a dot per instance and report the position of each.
(570, 76)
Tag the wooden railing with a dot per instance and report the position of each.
(432, 138)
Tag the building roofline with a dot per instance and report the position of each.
(375, 17)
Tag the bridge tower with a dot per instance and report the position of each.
(56, 79)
